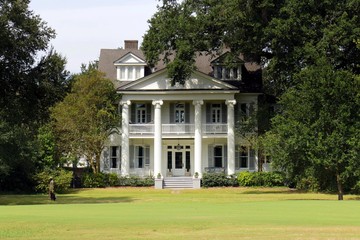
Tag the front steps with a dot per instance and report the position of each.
(178, 182)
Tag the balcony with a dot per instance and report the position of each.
(176, 129)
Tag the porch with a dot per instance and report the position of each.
(176, 129)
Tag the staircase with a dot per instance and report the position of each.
(178, 182)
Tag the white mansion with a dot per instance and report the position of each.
(183, 130)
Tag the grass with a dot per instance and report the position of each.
(145, 213)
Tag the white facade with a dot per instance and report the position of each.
(179, 131)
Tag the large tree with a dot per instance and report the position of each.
(280, 34)
(317, 135)
(84, 119)
(33, 78)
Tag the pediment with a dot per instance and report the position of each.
(130, 59)
(161, 81)
(226, 58)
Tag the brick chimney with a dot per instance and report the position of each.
(131, 44)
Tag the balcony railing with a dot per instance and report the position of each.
(214, 128)
(177, 129)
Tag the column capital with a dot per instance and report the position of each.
(128, 102)
(230, 102)
(198, 102)
(157, 103)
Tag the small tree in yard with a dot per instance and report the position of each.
(83, 121)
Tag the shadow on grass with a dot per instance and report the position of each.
(275, 191)
(12, 200)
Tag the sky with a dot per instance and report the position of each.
(83, 27)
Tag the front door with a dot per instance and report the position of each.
(178, 160)
(179, 169)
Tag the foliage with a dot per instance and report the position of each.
(62, 179)
(91, 180)
(317, 133)
(280, 34)
(218, 180)
(264, 179)
(33, 78)
(83, 120)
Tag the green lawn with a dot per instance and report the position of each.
(145, 213)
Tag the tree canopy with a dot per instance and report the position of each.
(33, 78)
(316, 137)
(84, 119)
(279, 34)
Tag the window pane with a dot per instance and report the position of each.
(130, 73)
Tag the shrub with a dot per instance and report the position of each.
(91, 180)
(218, 180)
(62, 179)
(266, 179)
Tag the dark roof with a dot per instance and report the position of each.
(202, 63)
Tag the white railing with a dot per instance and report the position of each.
(178, 128)
(141, 129)
(148, 129)
(215, 128)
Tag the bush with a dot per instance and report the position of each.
(91, 180)
(265, 179)
(135, 181)
(62, 179)
(218, 180)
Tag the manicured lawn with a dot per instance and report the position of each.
(145, 213)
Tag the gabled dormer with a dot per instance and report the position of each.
(130, 67)
(227, 70)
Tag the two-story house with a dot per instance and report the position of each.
(182, 130)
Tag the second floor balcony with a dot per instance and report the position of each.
(177, 129)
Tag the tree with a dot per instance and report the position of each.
(280, 34)
(84, 119)
(317, 133)
(28, 88)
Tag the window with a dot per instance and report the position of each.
(243, 157)
(141, 156)
(114, 156)
(216, 113)
(122, 73)
(137, 72)
(218, 156)
(179, 113)
(246, 109)
(140, 113)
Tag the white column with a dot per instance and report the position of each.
(157, 138)
(198, 138)
(125, 156)
(231, 137)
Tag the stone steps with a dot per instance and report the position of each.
(178, 182)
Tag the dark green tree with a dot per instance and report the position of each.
(33, 78)
(279, 34)
(317, 133)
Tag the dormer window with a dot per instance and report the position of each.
(226, 73)
(130, 68)
(223, 71)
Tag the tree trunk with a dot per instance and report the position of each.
(340, 187)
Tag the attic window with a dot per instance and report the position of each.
(225, 73)
(126, 73)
